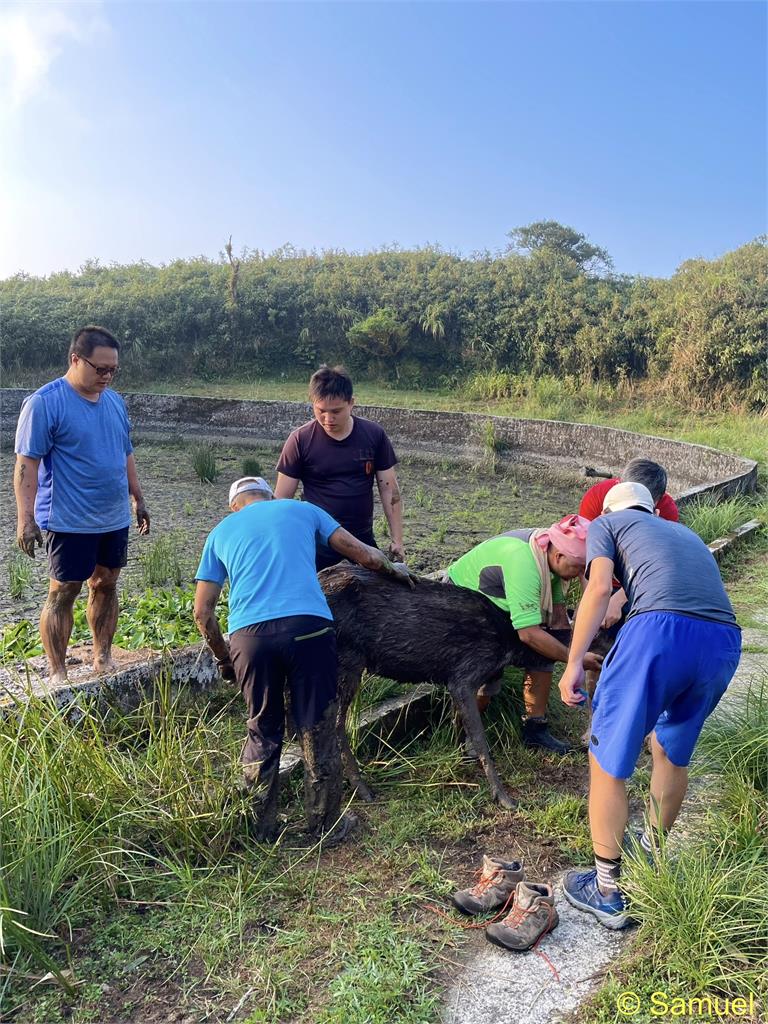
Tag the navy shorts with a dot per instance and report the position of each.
(72, 557)
(665, 674)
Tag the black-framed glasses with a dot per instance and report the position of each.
(102, 371)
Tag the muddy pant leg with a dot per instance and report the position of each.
(311, 656)
(261, 673)
(323, 777)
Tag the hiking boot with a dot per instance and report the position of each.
(536, 734)
(494, 888)
(532, 916)
(582, 891)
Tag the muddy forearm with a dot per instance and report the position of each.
(134, 487)
(25, 487)
(391, 502)
(393, 510)
(210, 630)
(350, 547)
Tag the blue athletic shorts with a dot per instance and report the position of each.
(665, 674)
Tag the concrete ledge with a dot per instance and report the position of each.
(722, 544)
(694, 470)
(137, 675)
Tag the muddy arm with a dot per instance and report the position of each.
(341, 540)
(206, 596)
(391, 502)
(25, 487)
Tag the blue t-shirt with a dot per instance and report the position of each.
(267, 551)
(82, 481)
(662, 566)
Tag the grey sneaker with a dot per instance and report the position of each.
(532, 916)
(494, 888)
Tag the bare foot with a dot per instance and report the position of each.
(103, 666)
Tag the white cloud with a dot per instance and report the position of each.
(31, 38)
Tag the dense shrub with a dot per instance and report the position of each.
(413, 316)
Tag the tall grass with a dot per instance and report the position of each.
(251, 467)
(94, 802)
(20, 574)
(203, 458)
(714, 519)
(161, 560)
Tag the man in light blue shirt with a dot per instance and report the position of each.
(74, 474)
(280, 631)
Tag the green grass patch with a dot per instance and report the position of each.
(638, 408)
(203, 459)
(715, 519)
(20, 574)
(251, 466)
(162, 560)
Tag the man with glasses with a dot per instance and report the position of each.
(74, 473)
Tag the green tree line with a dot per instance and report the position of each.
(549, 303)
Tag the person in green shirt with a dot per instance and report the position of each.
(522, 571)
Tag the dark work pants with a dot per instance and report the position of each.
(325, 556)
(299, 650)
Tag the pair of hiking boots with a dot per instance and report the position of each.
(502, 886)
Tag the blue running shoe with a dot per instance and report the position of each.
(581, 890)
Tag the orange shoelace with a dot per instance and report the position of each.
(513, 918)
(478, 889)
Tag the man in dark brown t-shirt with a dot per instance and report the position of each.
(336, 457)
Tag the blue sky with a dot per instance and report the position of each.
(154, 130)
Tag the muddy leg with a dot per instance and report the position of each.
(349, 682)
(56, 621)
(260, 672)
(322, 772)
(473, 727)
(101, 613)
(262, 780)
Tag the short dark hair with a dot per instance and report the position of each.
(649, 474)
(330, 383)
(88, 338)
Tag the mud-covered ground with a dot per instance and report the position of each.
(449, 507)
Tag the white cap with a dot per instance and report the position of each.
(248, 483)
(628, 495)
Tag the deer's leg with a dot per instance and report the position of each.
(349, 684)
(466, 704)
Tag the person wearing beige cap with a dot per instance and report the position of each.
(280, 633)
(671, 664)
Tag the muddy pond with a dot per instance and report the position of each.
(448, 508)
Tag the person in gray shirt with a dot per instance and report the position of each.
(671, 664)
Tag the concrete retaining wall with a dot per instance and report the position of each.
(693, 469)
